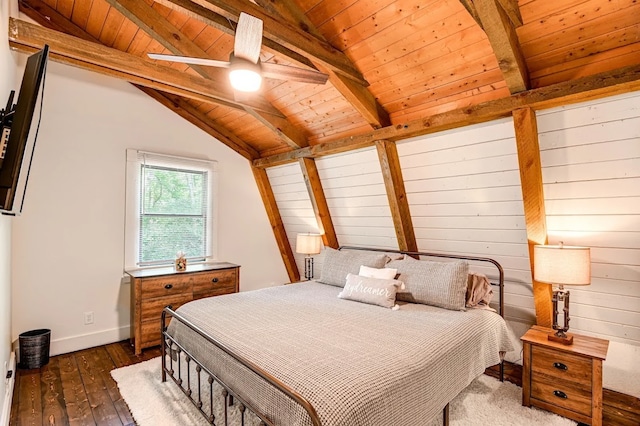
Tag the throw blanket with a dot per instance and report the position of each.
(357, 364)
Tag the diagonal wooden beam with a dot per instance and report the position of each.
(50, 18)
(512, 9)
(27, 37)
(219, 22)
(396, 194)
(285, 34)
(526, 128)
(170, 37)
(597, 86)
(356, 94)
(269, 200)
(319, 202)
(502, 35)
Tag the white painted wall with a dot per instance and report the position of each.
(68, 246)
(7, 83)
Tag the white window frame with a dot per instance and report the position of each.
(135, 160)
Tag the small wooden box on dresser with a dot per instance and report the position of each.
(155, 288)
(564, 379)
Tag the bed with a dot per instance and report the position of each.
(305, 354)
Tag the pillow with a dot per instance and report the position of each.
(337, 264)
(384, 273)
(442, 284)
(374, 291)
(479, 291)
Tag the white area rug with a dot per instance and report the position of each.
(485, 401)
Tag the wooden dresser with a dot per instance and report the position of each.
(154, 289)
(564, 379)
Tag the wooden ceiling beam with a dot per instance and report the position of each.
(596, 86)
(219, 22)
(397, 195)
(285, 34)
(526, 129)
(356, 94)
(50, 18)
(270, 204)
(27, 37)
(319, 202)
(161, 30)
(501, 31)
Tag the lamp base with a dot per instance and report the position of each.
(567, 339)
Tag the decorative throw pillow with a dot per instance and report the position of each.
(374, 291)
(442, 284)
(384, 273)
(337, 264)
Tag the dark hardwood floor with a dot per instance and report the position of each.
(77, 389)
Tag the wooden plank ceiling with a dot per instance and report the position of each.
(389, 62)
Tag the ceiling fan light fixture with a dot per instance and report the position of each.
(244, 75)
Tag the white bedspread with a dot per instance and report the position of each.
(357, 364)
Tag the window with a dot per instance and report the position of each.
(169, 209)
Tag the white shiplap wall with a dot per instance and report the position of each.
(357, 199)
(463, 188)
(590, 157)
(355, 194)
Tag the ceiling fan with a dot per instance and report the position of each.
(246, 69)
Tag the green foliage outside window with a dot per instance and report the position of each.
(173, 213)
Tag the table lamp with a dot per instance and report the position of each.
(561, 265)
(308, 244)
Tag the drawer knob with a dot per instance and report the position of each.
(560, 366)
(560, 394)
(215, 280)
(168, 286)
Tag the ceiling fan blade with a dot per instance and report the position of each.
(189, 60)
(248, 39)
(286, 72)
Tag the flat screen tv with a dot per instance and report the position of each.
(16, 145)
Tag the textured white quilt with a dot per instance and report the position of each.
(357, 364)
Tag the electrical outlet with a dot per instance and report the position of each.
(88, 318)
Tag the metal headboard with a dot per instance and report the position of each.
(499, 284)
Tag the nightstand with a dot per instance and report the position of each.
(564, 379)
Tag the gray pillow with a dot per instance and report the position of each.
(336, 264)
(442, 284)
(374, 291)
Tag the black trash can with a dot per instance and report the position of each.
(34, 348)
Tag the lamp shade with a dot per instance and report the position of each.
(566, 265)
(308, 243)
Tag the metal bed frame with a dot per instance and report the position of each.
(174, 353)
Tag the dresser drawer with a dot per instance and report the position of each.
(150, 335)
(214, 283)
(164, 286)
(561, 365)
(561, 393)
(151, 309)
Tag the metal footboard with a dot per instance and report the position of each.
(175, 355)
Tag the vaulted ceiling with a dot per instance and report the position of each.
(396, 67)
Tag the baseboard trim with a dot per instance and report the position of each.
(89, 340)
(5, 415)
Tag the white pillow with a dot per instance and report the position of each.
(374, 291)
(383, 273)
